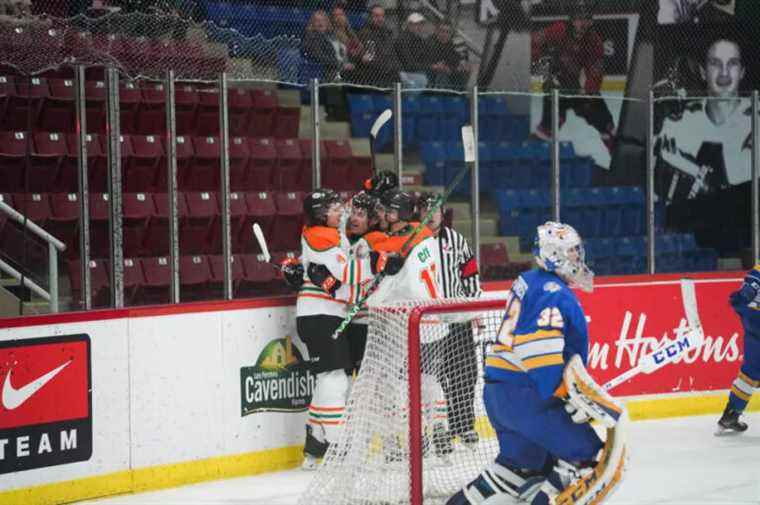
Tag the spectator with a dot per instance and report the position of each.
(450, 69)
(413, 50)
(378, 64)
(345, 34)
(321, 45)
(18, 13)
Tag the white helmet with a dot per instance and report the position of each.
(558, 248)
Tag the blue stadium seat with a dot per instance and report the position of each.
(540, 172)
(521, 165)
(614, 201)
(566, 164)
(494, 117)
(668, 257)
(484, 165)
(429, 118)
(455, 114)
(633, 211)
(362, 110)
(516, 127)
(706, 260)
(455, 162)
(502, 166)
(435, 157)
(630, 255)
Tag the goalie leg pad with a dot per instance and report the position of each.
(589, 397)
(570, 484)
(499, 485)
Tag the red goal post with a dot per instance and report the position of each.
(413, 406)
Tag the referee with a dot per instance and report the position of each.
(457, 369)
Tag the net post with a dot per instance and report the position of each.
(415, 406)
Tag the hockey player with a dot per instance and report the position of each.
(746, 303)
(320, 308)
(537, 393)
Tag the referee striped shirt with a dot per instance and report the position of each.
(459, 267)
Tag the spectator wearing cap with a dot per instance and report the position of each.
(378, 64)
(450, 69)
(413, 52)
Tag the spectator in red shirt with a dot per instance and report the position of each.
(572, 48)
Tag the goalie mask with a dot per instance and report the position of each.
(558, 248)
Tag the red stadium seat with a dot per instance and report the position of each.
(238, 215)
(130, 99)
(494, 259)
(289, 222)
(207, 118)
(151, 117)
(95, 102)
(100, 238)
(57, 113)
(7, 89)
(259, 276)
(47, 156)
(291, 173)
(141, 170)
(98, 174)
(186, 105)
(64, 220)
(157, 240)
(217, 274)
(24, 245)
(13, 149)
(99, 281)
(262, 164)
(204, 173)
(185, 157)
(134, 280)
(157, 280)
(23, 105)
(194, 277)
(287, 122)
(307, 154)
(35, 206)
(196, 227)
(240, 155)
(262, 120)
(137, 209)
(336, 167)
(361, 170)
(240, 106)
(68, 175)
(8, 200)
(261, 209)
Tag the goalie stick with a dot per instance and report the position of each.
(468, 140)
(667, 353)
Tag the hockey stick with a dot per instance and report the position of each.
(468, 141)
(667, 353)
(263, 245)
(376, 126)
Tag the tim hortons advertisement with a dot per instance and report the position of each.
(45, 403)
(280, 381)
(630, 320)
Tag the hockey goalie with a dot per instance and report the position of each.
(538, 396)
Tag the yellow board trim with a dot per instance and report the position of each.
(156, 477)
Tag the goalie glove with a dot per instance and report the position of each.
(321, 276)
(381, 261)
(292, 271)
(576, 414)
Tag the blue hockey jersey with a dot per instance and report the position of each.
(746, 302)
(544, 326)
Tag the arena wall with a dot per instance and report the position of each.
(162, 396)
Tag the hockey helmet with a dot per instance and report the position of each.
(364, 200)
(316, 205)
(558, 248)
(381, 182)
(400, 201)
(425, 202)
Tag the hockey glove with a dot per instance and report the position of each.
(390, 263)
(292, 271)
(578, 416)
(321, 276)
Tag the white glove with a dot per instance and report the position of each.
(577, 415)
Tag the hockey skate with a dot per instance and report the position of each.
(313, 451)
(729, 423)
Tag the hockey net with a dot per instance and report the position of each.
(413, 408)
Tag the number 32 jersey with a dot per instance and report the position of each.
(544, 326)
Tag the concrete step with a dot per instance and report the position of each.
(487, 227)
(37, 307)
(360, 146)
(385, 161)
(289, 97)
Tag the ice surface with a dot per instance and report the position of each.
(675, 461)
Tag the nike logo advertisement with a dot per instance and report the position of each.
(13, 398)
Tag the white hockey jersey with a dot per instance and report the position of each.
(359, 254)
(322, 244)
(419, 277)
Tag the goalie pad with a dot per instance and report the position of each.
(588, 397)
(499, 485)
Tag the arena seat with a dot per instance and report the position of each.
(238, 215)
(216, 282)
(99, 281)
(20, 244)
(57, 110)
(435, 157)
(68, 175)
(258, 275)
(185, 158)
(429, 118)
(23, 103)
(137, 209)
(46, 156)
(186, 105)
(7, 199)
(493, 259)
(262, 209)
(240, 110)
(157, 234)
(157, 280)
(265, 105)
(207, 117)
(145, 162)
(100, 238)
(287, 122)
(455, 115)
(194, 277)
(240, 158)
(337, 164)
(196, 226)
(13, 149)
(203, 174)
(288, 222)
(360, 171)
(134, 280)
(263, 162)
(502, 167)
(130, 100)
(64, 220)
(291, 173)
(95, 105)
(151, 116)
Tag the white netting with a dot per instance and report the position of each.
(370, 464)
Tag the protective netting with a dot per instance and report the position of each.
(370, 464)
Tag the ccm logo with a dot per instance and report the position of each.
(671, 350)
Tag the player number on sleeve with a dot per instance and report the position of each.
(550, 317)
